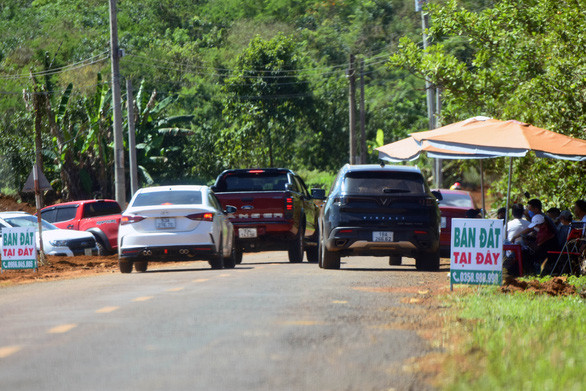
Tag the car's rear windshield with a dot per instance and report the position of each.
(101, 208)
(383, 182)
(458, 200)
(169, 197)
(261, 181)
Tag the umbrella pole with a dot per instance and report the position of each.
(482, 189)
(508, 194)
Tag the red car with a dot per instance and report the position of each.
(455, 204)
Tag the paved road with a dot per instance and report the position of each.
(266, 325)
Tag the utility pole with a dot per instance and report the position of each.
(119, 182)
(351, 107)
(131, 139)
(362, 116)
(38, 167)
(430, 89)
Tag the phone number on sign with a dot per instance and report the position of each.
(476, 278)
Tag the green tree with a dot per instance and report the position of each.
(522, 60)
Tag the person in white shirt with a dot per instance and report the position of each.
(517, 225)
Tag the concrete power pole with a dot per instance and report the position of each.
(119, 182)
(362, 117)
(351, 109)
(131, 139)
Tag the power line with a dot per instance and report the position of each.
(66, 68)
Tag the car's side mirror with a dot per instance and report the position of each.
(437, 194)
(213, 188)
(230, 209)
(289, 187)
(318, 194)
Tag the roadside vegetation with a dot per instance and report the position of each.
(516, 341)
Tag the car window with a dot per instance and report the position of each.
(383, 182)
(214, 201)
(50, 215)
(459, 200)
(170, 197)
(300, 187)
(263, 181)
(28, 221)
(65, 213)
(96, 209)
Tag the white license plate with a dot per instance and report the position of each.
(87, 251)
(444, 222)
(165, 222)
(247, 233)
(385, 236)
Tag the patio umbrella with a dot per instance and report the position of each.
(481, 135)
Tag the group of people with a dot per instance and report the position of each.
(540, 232)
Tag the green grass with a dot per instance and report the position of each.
(517, 341)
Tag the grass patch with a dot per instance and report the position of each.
(518, 341)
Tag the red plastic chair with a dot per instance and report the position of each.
(516, 248)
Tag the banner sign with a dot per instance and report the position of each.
(19, 248)
(476, 252)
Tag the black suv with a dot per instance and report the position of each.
(380, 211)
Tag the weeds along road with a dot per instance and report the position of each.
(266, 325)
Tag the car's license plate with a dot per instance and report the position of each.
(247, 233)
(444, 222)
(385, 236)
(165, 222)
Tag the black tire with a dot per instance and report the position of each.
(101, 248)
(312, 254)
(296, 247)
(238, 256)
(125, 266)
(141, 266)
(218, 261)
(395, 260)
(328, 259)
(230, 261)
(428, 262)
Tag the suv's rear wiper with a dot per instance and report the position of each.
(390, 190)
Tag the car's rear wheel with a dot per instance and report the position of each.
(238, 256)
(312, 254)
(101, 248)
(428, 262)
(395, 260)
(230, 261)
(125, 266)
(217, 262)
(141, 267)
(296, 246)
(328, 259)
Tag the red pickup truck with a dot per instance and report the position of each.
(274, 211)
(99, 217)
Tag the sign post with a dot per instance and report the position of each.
(19, 248)
(476, 252)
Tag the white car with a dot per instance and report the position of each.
(175, 223)
(56, 241)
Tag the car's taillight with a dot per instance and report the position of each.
(289, 203)
(201, 216)
(130, 219)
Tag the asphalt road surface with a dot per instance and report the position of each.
(266, 325)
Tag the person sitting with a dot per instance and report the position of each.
(456, 186)
(580, 210)
(543, 230)
(554, 214)
(517, 225)
(564, 226)
(473, 214)
(501, 213)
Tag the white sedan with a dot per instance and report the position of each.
(175, 223)
(56, 241)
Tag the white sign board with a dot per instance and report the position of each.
(476, 251)
(19, 249)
